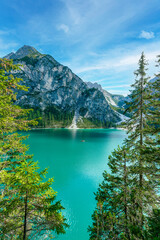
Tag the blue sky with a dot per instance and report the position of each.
(100, 40)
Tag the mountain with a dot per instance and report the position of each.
(113, 99)
(22, 52)
(116, 102)
(59, 96)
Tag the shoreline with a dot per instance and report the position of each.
(118, 128)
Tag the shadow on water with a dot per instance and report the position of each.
(77, 133)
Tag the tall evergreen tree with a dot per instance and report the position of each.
(27, 204)
(27, 208)
(138, 128)
(12, 117)
(128, 194)
(112, 217)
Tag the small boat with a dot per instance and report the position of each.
(82, 140)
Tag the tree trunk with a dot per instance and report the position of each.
(97, 226)
(125, 199)
(141, 160)
(25, 217)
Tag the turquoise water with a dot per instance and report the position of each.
(77, 168)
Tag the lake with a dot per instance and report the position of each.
(76, 159)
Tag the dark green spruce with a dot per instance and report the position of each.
(129, 195)
(111, 217)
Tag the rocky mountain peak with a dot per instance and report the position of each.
(22, 52)
(55, 90)
(94, 85)
(25, 50)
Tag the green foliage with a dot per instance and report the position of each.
(120, 110)
(131, 190)
(51, 117)
(11, 116)
(114, 210)
(30, 60)
(154, 225)
(27, 203)
(93, 123)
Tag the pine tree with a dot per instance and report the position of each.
(27, 204)
(138, 128)
(128, 194)
(27, 207)
(12, 117)
(112, 217)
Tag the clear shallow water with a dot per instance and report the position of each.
(77, 168)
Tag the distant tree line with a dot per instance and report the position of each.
(95, 123)
(128, 199)
(51, 116)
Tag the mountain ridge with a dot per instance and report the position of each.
(55, 89)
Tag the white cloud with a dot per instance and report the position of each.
(116, 63)
(63, 27)
(147, 35)
(119, 59)
(114, 68)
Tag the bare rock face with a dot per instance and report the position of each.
(22, 52)
(52, 84)
(113, 99)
